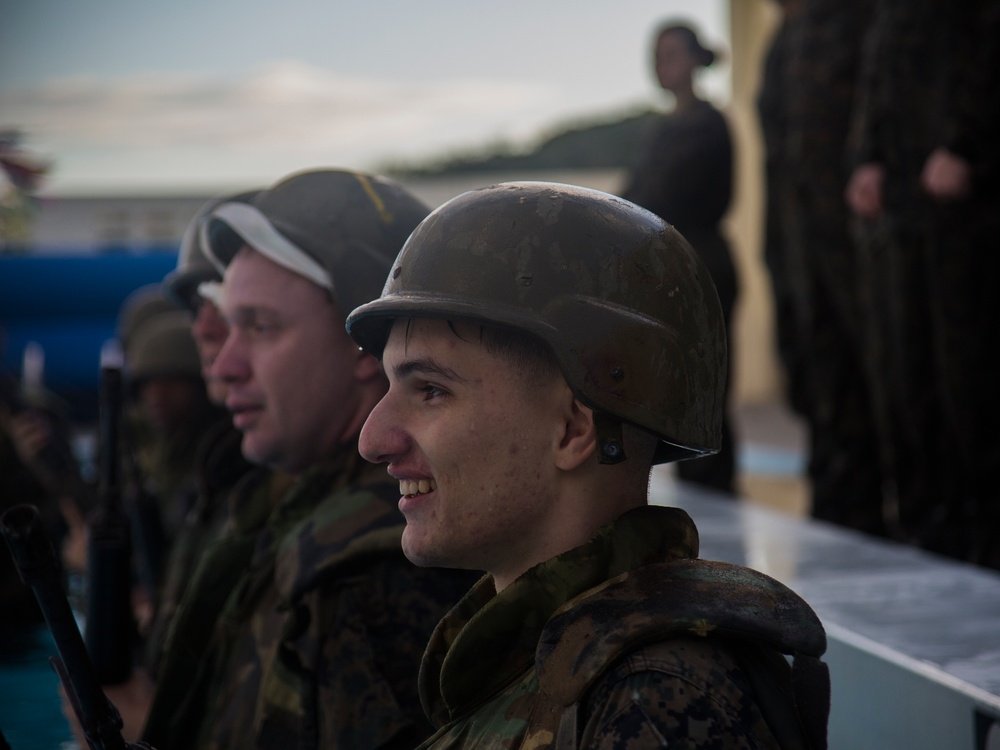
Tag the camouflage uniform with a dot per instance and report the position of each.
(931, 269)
(627, 642)
(805, 106)
(684, 175)
(218, 467)
(318, 641)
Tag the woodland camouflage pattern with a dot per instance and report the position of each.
(219, 466)
(319, 642)
(627, 642)
(179, 699)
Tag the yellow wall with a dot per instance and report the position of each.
(757, 375)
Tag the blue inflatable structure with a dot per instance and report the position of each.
(68, 305)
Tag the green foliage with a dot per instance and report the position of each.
(604, 144)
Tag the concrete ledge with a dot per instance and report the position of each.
(914, 638)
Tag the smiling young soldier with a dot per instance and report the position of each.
(545, 346)
(318, 642)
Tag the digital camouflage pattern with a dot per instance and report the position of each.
(319, 641)
(930, 270)
(628, 642)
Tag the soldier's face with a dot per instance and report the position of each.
(472, 448)
(674, 63)
(209, 331)
(169, 402)
(288, 364)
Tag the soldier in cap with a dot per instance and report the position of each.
(171, 410)
(218, 469)
(545, 346)
(318, 640)
(218, 462)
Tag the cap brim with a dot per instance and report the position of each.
(232, 225)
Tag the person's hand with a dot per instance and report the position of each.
(946, 176)
(74, 546)
(30, 432)
(133, 699)
(864, 190)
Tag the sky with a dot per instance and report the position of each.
(132, 95)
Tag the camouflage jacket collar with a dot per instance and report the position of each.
(300, 496)
(489, 640)
(352, 515)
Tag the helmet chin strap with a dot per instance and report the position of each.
(610, 446)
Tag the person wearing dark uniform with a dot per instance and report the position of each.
(805, 105)
(684, 175)
(926, 193)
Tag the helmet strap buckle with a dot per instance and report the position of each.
(610, 446)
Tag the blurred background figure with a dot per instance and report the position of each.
(218, 461)
(926, 193)
(30, 427)
(805, 103)
(168, 412)
(684, 174)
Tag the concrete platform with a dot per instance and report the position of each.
(914, 639)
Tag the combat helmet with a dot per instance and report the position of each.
(161, 347)
(623, 301)
(339, 229)
(140, 306)
(193, 266)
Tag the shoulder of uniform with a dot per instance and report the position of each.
(683, 598)
(355, 525)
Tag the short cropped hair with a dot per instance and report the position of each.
(527, 354)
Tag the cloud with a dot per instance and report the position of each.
(284, 108)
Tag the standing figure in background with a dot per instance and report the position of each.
(926, 192)
(684, 174)
(805, 105)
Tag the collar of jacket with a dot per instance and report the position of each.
(489, 640)
(352, 515)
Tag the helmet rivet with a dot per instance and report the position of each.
(525, 279)
(617, 373)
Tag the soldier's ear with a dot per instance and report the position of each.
(367, 368)
(578, 441)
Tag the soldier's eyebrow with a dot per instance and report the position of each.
(425, 367)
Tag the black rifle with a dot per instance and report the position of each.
(143, 508)
(111, 630)
(39, 567)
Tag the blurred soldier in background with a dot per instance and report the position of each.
(316, 642)
(219, 463)
(926, 191)
(805, 105)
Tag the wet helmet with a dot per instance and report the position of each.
(620, 297)
(339, 229)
